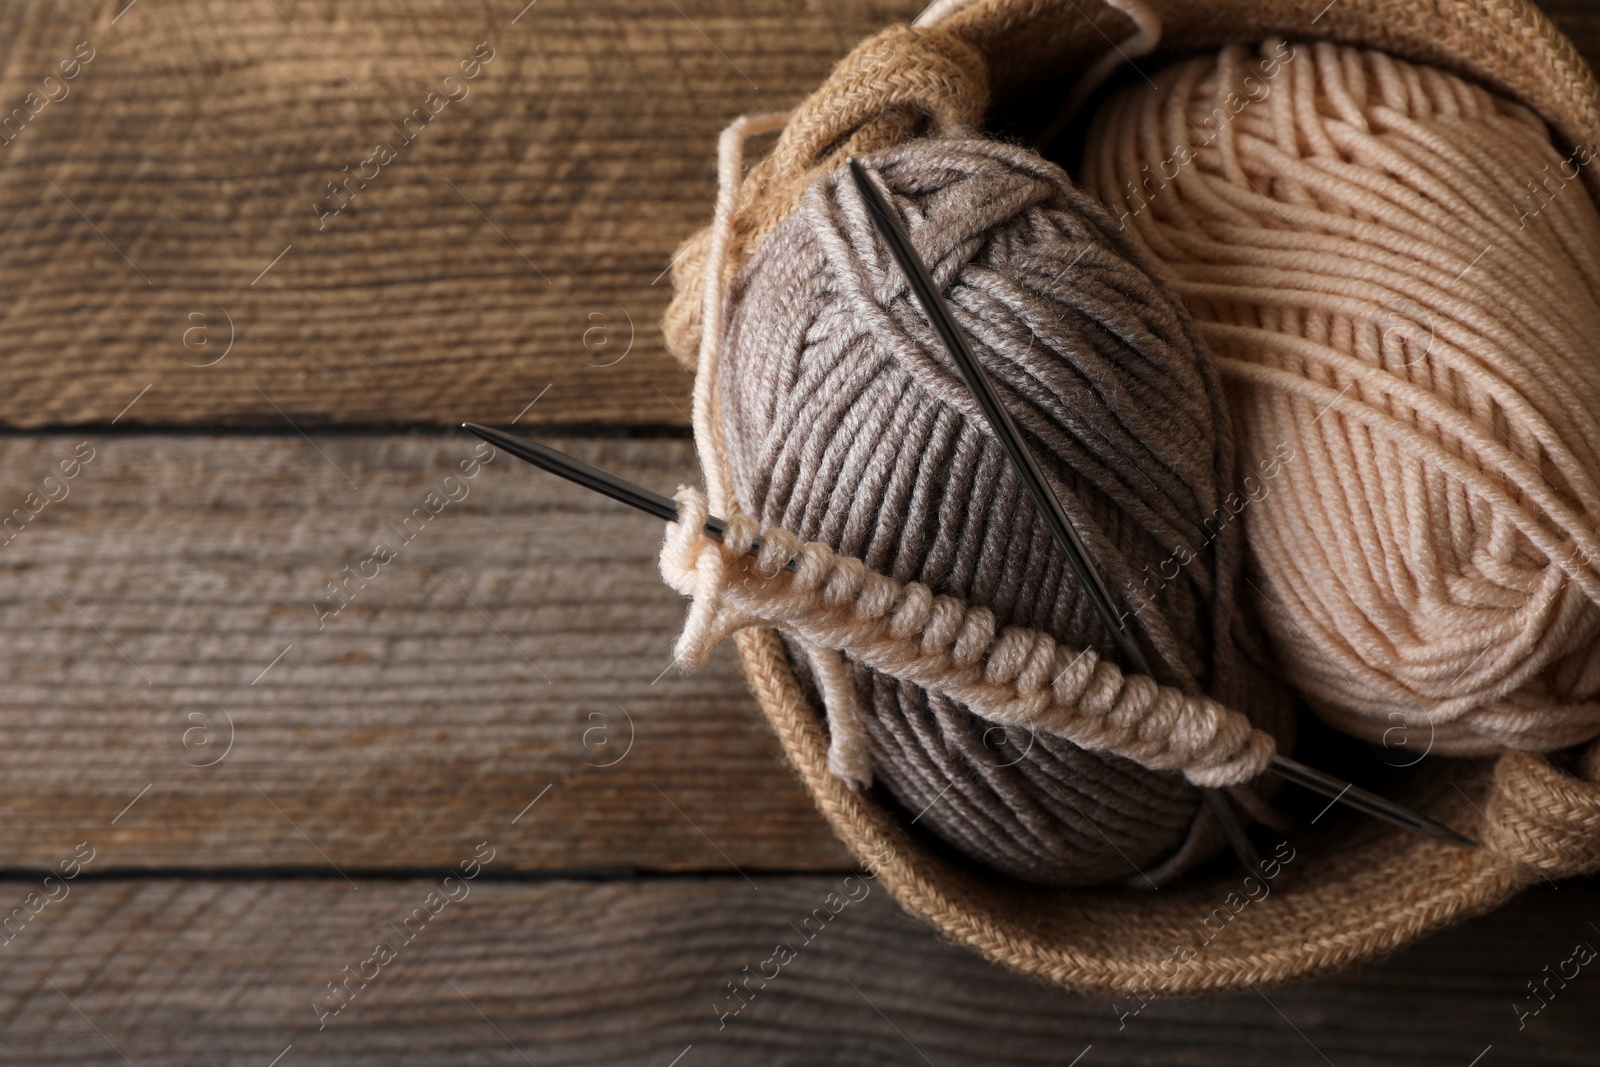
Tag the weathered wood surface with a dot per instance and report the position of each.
(518, 239)
(417, 723)
(226, 972)
(511, 646)
(509, 244)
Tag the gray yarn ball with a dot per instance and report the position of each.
(847, 423)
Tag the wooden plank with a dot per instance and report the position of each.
(207, 972)
(518, 224)
(511, 646)
(176, 199)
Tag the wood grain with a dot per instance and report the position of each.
(225, 972)
(419, 721)
(509, 648)
(518, 239)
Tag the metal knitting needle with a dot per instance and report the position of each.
(666, 509)
(1044, 498)
(603, 482)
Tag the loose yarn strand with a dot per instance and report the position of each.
(849, 750)
(1145, 39)
(730, 173)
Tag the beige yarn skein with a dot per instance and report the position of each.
(1396, 270)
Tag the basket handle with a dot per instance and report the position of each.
(880, 94)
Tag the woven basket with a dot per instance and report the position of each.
(1349, 894)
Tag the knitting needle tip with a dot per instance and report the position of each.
(600, 481)
(1363, 801)
(575, 470)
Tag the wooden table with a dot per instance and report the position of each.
(255, 782)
